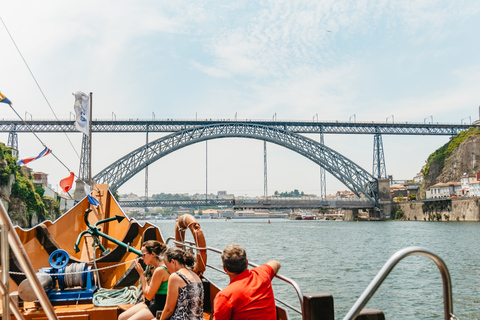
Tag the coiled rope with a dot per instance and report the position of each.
(114, 297)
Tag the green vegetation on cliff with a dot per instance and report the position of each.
(443, 152)
(22, 188)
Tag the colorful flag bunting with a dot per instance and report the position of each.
(92, 200)
(67, 183)
(27, 160)
(82, 111)
(4, 99)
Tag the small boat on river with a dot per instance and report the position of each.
(94, 246)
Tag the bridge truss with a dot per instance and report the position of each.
(353, 176)
(293, 126)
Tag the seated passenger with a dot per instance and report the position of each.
(185, 289)
(157, 286)
(249, 294)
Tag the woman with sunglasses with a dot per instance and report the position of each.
(157, 286)
(185, 289)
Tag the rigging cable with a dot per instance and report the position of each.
(39, 88)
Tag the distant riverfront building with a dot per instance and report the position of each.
(468, 186)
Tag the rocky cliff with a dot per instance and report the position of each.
(23, 204)
(460, 156)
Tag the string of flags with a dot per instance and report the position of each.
(27, 160)
(82, 124)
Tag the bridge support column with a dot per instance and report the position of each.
(379, 168)
(84, 172)
(350, 215)
(79, 190)
(385, 200)
(13, 142)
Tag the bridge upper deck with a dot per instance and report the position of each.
(328, 127)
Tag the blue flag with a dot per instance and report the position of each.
(4, 99)
(92, 200)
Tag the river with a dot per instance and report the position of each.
(341, 258)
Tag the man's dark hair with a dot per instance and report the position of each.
(234, 258)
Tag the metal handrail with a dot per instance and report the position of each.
(191, 244)
(389, 265)
(22, 257)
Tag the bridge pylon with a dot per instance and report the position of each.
(84, 169)
(379, 170)
(13, 142)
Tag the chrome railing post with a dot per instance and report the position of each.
(22, 257)
(5, 271)
(388, 266)
(12, 305)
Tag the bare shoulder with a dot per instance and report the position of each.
(194, 277)
(161, 272)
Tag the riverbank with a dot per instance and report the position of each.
(442, 210)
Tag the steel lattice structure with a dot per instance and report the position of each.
(353, 176)
(293, 126)
(379, 169)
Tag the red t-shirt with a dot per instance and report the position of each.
(248, 296)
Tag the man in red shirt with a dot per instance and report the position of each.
(249, 294)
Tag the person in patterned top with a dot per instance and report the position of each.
(185, 289)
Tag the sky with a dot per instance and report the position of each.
(383, 61)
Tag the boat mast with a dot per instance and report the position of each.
(90, 143)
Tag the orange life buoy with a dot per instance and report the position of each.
(185, 222)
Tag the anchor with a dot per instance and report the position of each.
(95, 232)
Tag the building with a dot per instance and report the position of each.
(345, 194)
(399, 191)
(40, 179)
(464, 188)
(418, 178)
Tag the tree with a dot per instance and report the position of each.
(399, 214)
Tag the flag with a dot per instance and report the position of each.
(87, 189)
(92, 200)
(27, 160)
(66, 184)
(82, 111)
(4, 99)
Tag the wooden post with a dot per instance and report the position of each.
(318, 306)
(370, 314)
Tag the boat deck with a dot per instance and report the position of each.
(79, 311)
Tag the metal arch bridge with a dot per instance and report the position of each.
(353, 176)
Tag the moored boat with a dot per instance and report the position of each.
(105, 242)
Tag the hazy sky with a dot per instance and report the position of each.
(402, 61)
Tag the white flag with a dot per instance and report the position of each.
(82, 111)
(87, 189)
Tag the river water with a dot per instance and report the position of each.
(342, 258)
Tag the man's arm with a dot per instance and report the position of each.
(275, 265)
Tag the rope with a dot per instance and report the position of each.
(114, 297)
(62, 274)
(41, 91)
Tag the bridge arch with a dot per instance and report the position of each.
(357, 179)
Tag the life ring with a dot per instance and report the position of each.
(185, 222)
